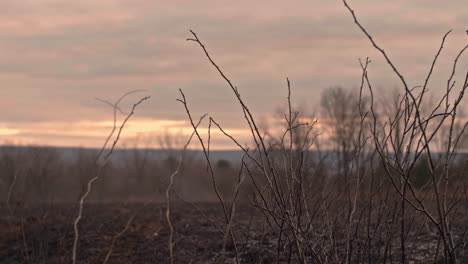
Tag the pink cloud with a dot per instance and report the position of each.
(56, 56)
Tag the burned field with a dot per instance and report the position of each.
(45, 235)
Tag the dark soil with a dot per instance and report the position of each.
(44, 234)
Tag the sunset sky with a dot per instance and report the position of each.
(57, 57)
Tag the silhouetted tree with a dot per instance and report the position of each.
(340, 110)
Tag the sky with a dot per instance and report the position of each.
(57, 57)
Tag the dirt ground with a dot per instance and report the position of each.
(44, 234)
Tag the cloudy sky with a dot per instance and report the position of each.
(57, 56)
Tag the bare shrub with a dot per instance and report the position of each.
(389, 187)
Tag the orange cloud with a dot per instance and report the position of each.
(55, 57)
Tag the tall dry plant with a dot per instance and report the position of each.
(307, 216)
(102, 160)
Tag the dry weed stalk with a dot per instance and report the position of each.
(114, 239)
(228, 216)
(102, 164)
(169, 188)
(10, 192)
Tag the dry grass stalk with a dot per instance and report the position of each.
(98, 174)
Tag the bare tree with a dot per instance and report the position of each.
(340, 108)
(11, 162)
(42, 172)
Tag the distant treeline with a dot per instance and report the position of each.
(47, 174)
